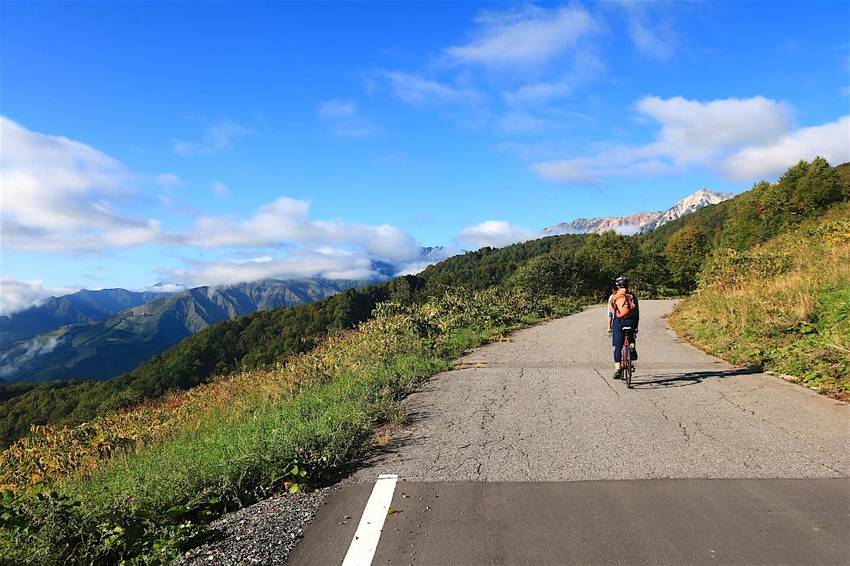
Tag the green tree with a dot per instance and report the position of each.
(686, 251)
(748, 222)
(540, 276)
(406, 289)
(817, 188)
(602, 257)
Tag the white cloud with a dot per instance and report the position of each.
(495, 233)
(286, 221)
(414, 268)
(417, 90)
(521, 59)
(585, 67)
(657, 39)
(521, 122)
(434, 255)
(528, 57)
(168, 180)
(691, 133)
(541, 91)
(13, 359)
(831, 141)
(529, 36)
(591, 171)
(648, 41)
(337, 109)
(17, 295)
(325, 262)
(60, 194)
(166, 287)
(220, 188)
(216, 138)
(344, 120)
(627, 229)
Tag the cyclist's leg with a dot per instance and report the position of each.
(633, 340)
(617, 339)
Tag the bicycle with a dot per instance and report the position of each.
(626, 357)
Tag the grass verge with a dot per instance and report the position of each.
(288, 428)
(783, 306)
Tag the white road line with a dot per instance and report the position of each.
(365, 541)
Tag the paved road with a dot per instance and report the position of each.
(543, 408)
(692, 521)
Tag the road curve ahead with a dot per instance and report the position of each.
(700, 462)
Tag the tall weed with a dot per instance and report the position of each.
(782, 306)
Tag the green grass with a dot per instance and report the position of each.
(322, 427)
(783, 306)
(820, 356)
(148, 506)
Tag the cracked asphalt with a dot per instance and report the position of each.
(701, 462)
(544, 407)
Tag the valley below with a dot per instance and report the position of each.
(101, 349)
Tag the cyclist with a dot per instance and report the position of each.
(623, 311)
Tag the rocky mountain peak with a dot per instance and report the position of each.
(640, 221)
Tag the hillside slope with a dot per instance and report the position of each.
(75, 308)
(249, 341)
(492, 266)
(783, 306)
(106, 348)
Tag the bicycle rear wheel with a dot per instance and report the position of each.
(626, 365)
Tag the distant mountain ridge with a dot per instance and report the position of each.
(104, 348)
(76, 308)
(100, 334)
(641, 221)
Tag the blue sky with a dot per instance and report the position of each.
(212, 143)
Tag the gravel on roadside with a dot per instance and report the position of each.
(262, 533)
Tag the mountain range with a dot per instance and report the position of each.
(101, 334)
(640, 221)
(76, 308)
(77, 345)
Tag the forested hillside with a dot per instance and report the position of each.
(491, 266)
(74, 308)
(246, 341)
(783, 305)
(105, 348)
(664, 262)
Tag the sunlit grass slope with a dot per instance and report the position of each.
(140, 485)
(783, 305)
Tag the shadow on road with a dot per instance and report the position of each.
(689, 378)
